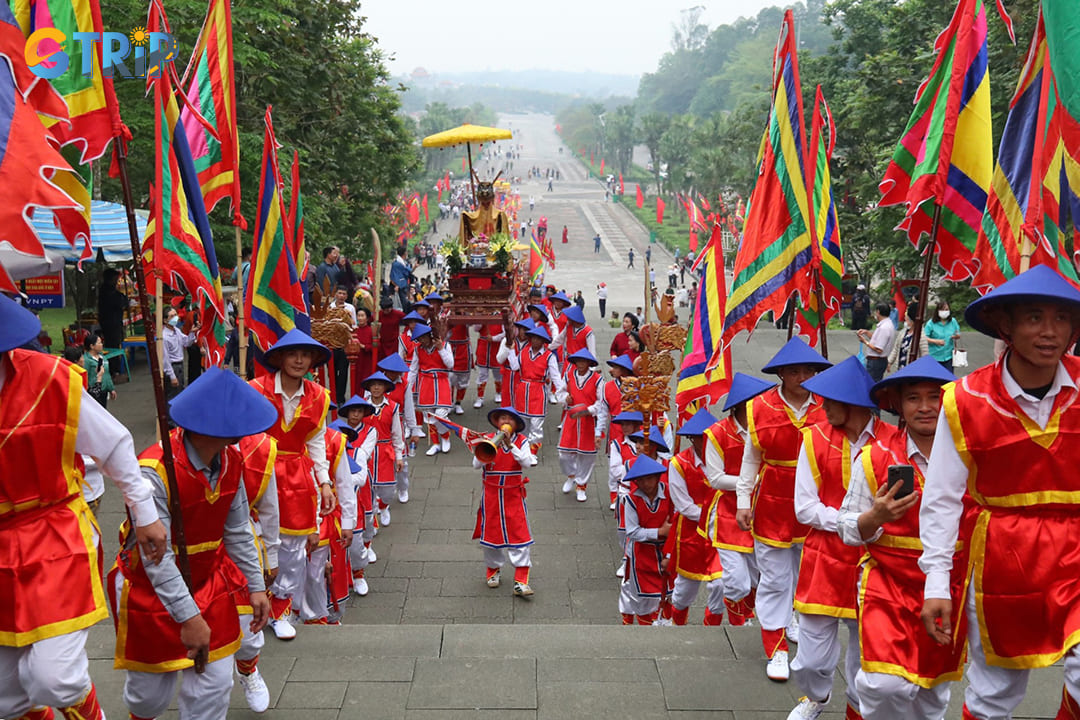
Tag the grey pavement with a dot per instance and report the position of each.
(431, 640)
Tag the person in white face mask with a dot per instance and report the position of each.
(941, 332)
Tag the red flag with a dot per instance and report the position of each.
(590, 157)
(462, 163)
(898, 294)
(693, 241)
(296, 220)
(705, 203)
(601, 166)
(446, 181)
(423, 204)
(659, 211)
(640, 198)
(414, 211)
(622, 188)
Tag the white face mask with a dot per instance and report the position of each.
(943, 314)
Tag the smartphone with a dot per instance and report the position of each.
(906, 475)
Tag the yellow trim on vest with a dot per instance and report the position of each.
(71, 432)
(826, 610)
(174, 665)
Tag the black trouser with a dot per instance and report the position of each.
(341, 375)
(194, 362)
(876, 367)
(603, 307)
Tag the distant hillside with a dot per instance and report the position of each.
(598, 85)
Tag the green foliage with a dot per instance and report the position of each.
(328, 85)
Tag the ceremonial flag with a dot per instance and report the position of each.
(274, 300)
(211, 91)
(179, 247)
(775, 254)
(659, 210)
(706, 365)
(297, 243)
(601, 166)
(438, 186)
(1032, 193)
(898, 293)
(413, 210)
(693, 215)
(536, 260)
(622, 188)
(423, 205)
(945, 156)
(469, 437)
(446, 181)
(640, 197)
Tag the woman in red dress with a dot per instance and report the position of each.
(363, 364)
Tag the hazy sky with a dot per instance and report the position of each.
(613, 36)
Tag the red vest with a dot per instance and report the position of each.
(330, 524)
(695, 558)
(44, 521)
(717, 523)
(487, 347)
(775, 432)
(1024, 482)
(529, 398)
(829, 568)
(433, 380)
(148, 639)
(501, 519)
(644, 558)
(613, 398)
(579, 435)
(892, 637)
(459, 345)
(381, 464)
(406, 346)
(577, 339)
(260, 454)
(298, 497)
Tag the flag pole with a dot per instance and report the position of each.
(376, 284)
(648, 293)
(156, 377)
(924, 286)
(822, 325)
(241, 330)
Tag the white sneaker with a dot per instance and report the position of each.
(384, 516)
(523, 590)
(553, 401)
(663, 622)
(283, 630)
(535, 462)
(433, 450)
(569, 485)
(403, 496)
(777, 669)
(611, 506)
(255, 691)
(792, 631)
(497, 399)
(807, 709)
(620, 570)
(479, 403)
(494, 580)
(372, 558)
(458, 410)
(444, 444)
(581, 494)
(360, 586)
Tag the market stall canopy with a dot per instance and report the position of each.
(108, 233)
(20, 265)
(466, 134)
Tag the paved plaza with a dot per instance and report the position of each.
(431, 640)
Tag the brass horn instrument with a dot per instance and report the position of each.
(487, 449)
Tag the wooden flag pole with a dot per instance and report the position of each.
(924, 286)
(376, 285)
(819, 290)
(648, 293)
(241, 329)
(157, 378)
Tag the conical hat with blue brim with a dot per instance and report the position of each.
(925, 369)
(745, 387)
(526, 323)
(847, 382)
(583, 354)
(414, 316)
(393, 363)
(356, 402)
(18, 325)
(561, 296)
(541, 309)
(219, 404)
(574, 315)
(657, 438)
(1040, 284)
(434, 297)
(644, 466)
(624, 362)
(420, 303)
(698, 424)
(377, 377)
(629, 416)
(518, 420)
(420, 331)
(540, 332)
(345, 429)
(296, 339)
(796, 352)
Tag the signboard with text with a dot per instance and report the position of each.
(45, 291)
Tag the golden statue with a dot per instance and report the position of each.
(486, 220)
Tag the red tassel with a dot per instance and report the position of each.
(967, 714)
(280, 608)
(852, 714)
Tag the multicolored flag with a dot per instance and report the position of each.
(536, 260)
(211, 91)
(706, 365)
(776, 251)
(274, 301)
(1033, 194)
(297, 244)
(945, 158)
(179, 247)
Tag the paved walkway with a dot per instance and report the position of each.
(432, 641)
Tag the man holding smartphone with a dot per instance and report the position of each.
(903, 672)
(1007, 435)
(825, 594)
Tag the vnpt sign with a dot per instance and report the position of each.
(139, 54)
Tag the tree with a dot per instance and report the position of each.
(675, 147)
(653, 127)
(621, 136)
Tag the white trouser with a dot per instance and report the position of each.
(497, 557)
(460, 380)
(740, 573)
(251, 644)
(482, 374)
(779, 568)
(49, 673)
(891, 697)
(819, 652)
(385, 493)
(432, 415)
(577, 465)
(994, 692)
(536, 429)
(409, 414)
(292, 570)
(313, 605)
(401, 477)
(202, 697)
(358, 557)
(630, 603)
(686, 591)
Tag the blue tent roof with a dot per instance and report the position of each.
(108, 232)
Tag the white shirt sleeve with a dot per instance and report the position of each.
(316, 447)
(941, 510)
(524, 454)
(414, 370)
(857, 501)
(680, 496)
(616, 469)
(748, 475)
(503, 352)
(346, 492)
(103, 437)
(634, 531)
(599, 408)
(270, 520)
(447, 356)
(396, 438)
(809, 510)
(714, 469)
(512, 360)
(590, 343)
(556, 378)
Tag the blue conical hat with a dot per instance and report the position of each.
(296, 339)
(414, 316)
(698, 424)
(377, 377)
(393, 363)
(345, 429)
(541, 332)
(745, 387)
(582, 354)
(925, 369)
(624, 362)
(644, 466)
(219, 404)
(1039, 284)
(629, 416)
(18, 325)
(657, 438)
(847, 382)
(356, 402)
(796, 352)
(509, 411)
(574, 315)
(561, 296)
(541, 309)
(420, 331)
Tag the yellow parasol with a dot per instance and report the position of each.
(467, 134)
